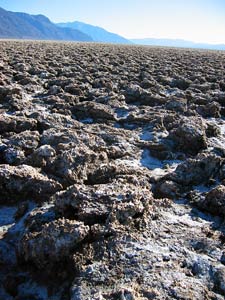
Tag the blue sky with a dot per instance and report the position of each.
(196, 20)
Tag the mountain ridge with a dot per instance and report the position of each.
(177, 43)
(98, 34)
(25, 26)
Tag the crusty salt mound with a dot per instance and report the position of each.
(112, 172)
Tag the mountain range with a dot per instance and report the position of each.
(98, 34)
(19, 25)
(177, 43)
(25, 26)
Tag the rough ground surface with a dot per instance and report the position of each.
(112, 172)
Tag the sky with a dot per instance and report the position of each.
(193, 20)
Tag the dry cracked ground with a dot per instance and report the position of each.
(112, 172)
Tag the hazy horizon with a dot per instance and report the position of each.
(201, 21)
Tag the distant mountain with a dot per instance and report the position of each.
(98, 34)
(25, 26)
(177, 43)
